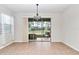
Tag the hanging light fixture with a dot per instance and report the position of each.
(37, 17)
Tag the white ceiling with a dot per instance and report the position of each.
(31, 8)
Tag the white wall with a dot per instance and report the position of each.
(71, 27)
(6, 10)
(5, 40)
(55, 28)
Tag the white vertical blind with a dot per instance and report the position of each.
(6, 21)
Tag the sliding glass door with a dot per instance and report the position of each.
(39, 30)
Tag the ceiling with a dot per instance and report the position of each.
(31, 8)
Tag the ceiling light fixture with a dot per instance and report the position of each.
(37, 17)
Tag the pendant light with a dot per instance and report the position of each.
(37, 17)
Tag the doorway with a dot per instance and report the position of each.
(39, 30)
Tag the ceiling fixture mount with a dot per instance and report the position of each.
(37, 17)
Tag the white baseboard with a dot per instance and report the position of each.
(5, 45)
(71, 46)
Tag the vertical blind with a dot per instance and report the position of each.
(6, 28)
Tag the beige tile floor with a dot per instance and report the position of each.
(38, 48)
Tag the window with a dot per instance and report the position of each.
(6, 22)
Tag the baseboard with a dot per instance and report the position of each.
(71, 46)
(5, 45)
